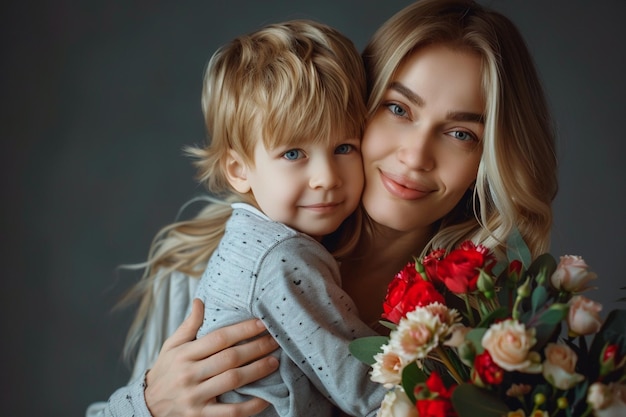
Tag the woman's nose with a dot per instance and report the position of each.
(417, 151)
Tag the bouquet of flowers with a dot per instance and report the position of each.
(518, 340)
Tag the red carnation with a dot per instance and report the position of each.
(460, 269)
(406, 291)
(430, 263)
(488, 371)
(438, 403)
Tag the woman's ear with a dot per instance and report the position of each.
(237, 172)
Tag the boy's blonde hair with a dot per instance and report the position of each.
(287, 83)
(517, 175)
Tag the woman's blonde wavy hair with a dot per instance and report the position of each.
(287, 83)
(517, 175)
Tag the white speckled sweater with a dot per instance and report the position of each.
(267, 270)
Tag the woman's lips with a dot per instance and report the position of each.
(403, 188)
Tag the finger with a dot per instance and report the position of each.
(189, 327)
(244, 409)
(237, 377)
(225, 337)
(236, 356)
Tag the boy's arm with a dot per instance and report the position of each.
(300, 300)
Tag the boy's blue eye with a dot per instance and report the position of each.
(344, 148)
(292, 154)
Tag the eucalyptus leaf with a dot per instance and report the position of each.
(516, 248)
(554, 314)
(471, 401)
(539, 298)
(498, 314)
(365, 348)
(475, 336)
(411, 376)
(544, 265)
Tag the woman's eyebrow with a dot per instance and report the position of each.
(413, 97)
(407, 92)
(461, 116)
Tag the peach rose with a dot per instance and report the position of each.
(509, 344)
(572, 274)
(559, 366)
(583, 317)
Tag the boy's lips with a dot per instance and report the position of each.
(404, 188)
(321, 207)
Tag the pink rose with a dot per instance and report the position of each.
(572, 275)
(559, 366)
(583, 317)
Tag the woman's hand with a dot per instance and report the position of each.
(189, 374)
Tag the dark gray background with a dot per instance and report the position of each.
(98, 97)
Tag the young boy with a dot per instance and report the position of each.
(284, 108)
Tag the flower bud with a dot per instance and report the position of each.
(539, 399)
(524, 290)
(608, 359)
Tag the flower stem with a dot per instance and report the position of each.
(443, 357)
(470, 313)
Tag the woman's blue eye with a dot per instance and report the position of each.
(462, 135)
(292, 154)
(344, 148)
(396, 109)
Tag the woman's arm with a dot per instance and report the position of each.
(189, 374)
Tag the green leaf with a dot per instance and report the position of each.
(475, 336)
(497, 314)
(388, 324)
(554, 314)
(544, 264)
(516, 248)
(411, 376)
(365, 348)
(612, 331)
(539, 298)
(471, 401)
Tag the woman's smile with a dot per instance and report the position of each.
(404, 188)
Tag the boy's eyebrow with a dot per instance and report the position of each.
(415, 98)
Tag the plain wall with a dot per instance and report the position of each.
(99, 97)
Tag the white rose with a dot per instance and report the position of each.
(397, 404)
(572, 274)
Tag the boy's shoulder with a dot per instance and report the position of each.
(247, 219)
(252, 229)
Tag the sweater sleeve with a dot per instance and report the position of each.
(173, 294)
(128, 401)
(299, 298)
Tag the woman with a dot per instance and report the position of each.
(459, 145)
